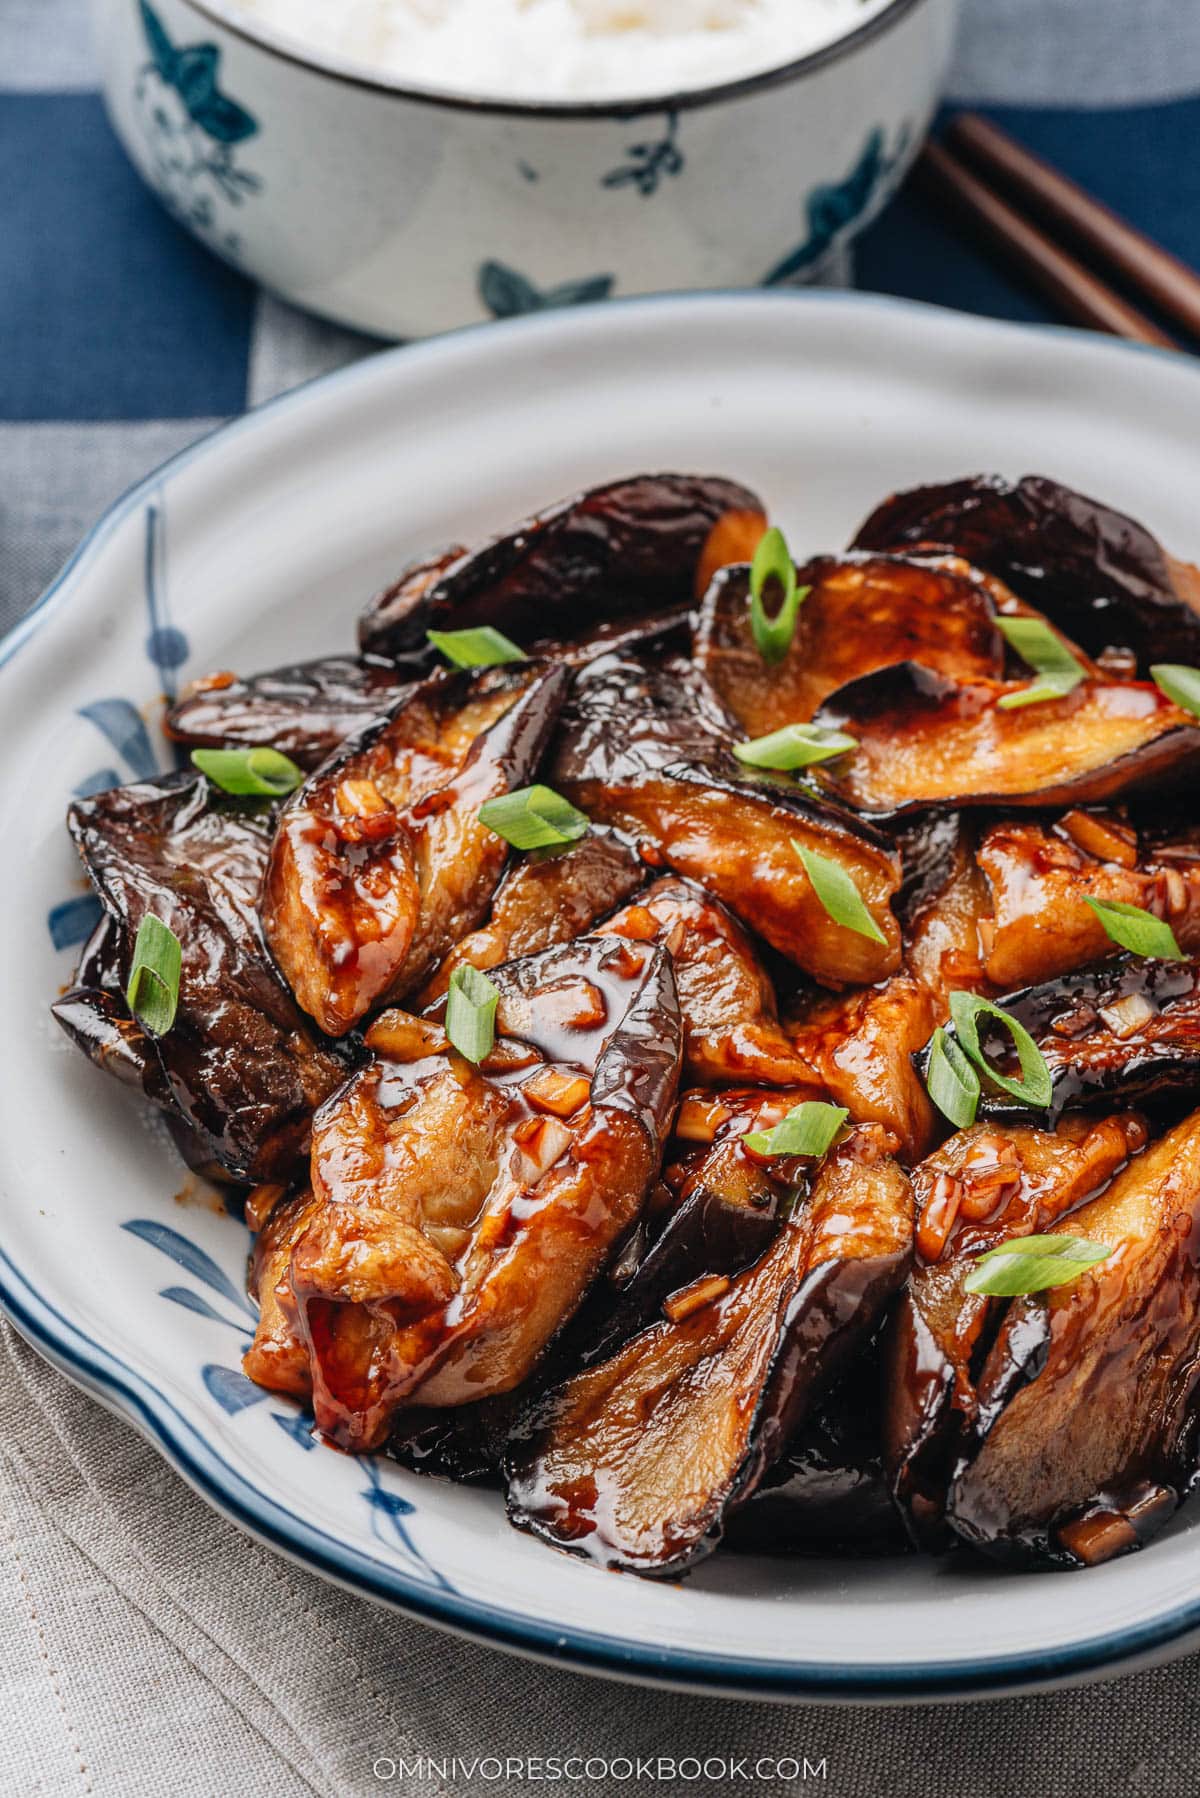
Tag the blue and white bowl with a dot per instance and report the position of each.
(404, 211)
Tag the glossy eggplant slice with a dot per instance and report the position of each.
(982, 1187)
(719, 1225)
(926, 741)
(646, 749)
(96, 1018)
(862, 613)
(860, 1046)
(547, 897)
(1123, 1032)
(1098, 574)
(380, 864)
(629, 547)
(636, 1462)
(241, 1070)
(944, 905)
(464, 1211)
(392, 626)
(725, 1216)
(828, 1494)
(1084, 1437)
(1041, 879)
(278, 1358)
(731, 1030)
(304, 711)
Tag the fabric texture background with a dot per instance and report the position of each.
(147, 1648)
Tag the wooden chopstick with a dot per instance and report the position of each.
(1093, 228)
(1078, 293)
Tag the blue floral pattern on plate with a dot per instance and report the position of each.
(390, 1510)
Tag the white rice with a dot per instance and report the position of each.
(564, 49)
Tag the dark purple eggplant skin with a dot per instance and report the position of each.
(304, 711)
(241, 1070)
(97, 1020)
(629, 547)
(1090, 1066)
(629, 716)
(707, 1234)
(462, 1443)
(1099, 575)
(828, 1493)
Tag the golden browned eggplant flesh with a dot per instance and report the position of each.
(706, 1031)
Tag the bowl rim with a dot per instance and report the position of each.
(349, 73)
(1117, 1648)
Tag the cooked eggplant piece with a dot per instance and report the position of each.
(1084, 1436)
(718, 1226)
(861, 614)
(828, 1494)
(731, 1029)
(944, 906)
(984, 1186)
(548, 897)
(463, 1211)
(1124, 1031)
(463, 1443)
(629, 547)
(646, 749)
(637, 1462)
(392, 626)
(926, 741)
(304, 711)
(380, 864)
(241, 1070)
(861, 1045)
(725, 1217)
(278, 1358)
(96, 1018)
(1098, 574)
(1041, 879)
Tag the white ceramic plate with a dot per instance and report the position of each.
(257, 547)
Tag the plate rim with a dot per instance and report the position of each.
(114, 1382)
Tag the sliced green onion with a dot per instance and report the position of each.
(838, 894)
(952, 1082)
(795, 746)
(1047, 654)
(1037, 694)
(1180, 684)
(773, 561)
(1035, 1087)
(481, 648)
(471, 1012)
(1027, 1264)
(534, 818)
(808, 1129)
(152, 994)
(250, 773)
(1139, 931)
